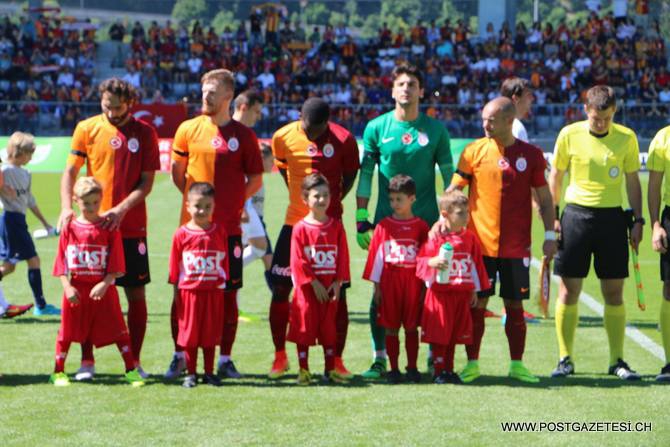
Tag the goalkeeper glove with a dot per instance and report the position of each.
(363, 228)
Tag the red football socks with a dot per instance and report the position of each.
(392, 349)
(478, 326)
(192, 360)
(439, 353)
(449, 358)
(515, 328)
(124, 348)
(341, 324)
(87, 353)
(412, 347)
(279, 311)
(62, 347)
(137, 325)
(208, 354)
(329, 357)
(230, 315)
(303, 356)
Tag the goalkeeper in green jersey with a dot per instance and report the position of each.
(402, 141)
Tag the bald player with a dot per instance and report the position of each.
(501, 172)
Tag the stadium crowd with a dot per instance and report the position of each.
(288, 62)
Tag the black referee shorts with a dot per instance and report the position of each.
(601, 232)
(665, 258)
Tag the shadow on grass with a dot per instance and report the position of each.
(577, 380)
(587, 321)
(38, 320)
(11, 380)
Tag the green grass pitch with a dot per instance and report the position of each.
(254, 411)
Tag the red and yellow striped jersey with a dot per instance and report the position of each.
(223, 156)
(500, 181)
(334, 154)
(117, 157)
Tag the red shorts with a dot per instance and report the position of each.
(200, 316)
(311, 320)
(446, 318)
(401, 299)
(96, 321)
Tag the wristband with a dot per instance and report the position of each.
(550, 235)
(362, 214)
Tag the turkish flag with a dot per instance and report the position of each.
(165, 118)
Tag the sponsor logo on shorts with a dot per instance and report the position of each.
(526, 262)
(142, 276)
(116, 142)
(86, 257)
(521, 164)
(406, 138)
(142, 248)
(422, 139)
(323, 258)
(281, 271)
(204, 265)
(525, 289)
(401, 252)
(237, 251)
(133, 145)
(328, 150)
(233, 144)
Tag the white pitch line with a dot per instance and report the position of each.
(631, 331)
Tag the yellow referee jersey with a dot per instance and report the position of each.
(659, 159)
(597, 165)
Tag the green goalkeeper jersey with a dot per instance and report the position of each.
(406, 147)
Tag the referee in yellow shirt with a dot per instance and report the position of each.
(658, 164)
(599, 155)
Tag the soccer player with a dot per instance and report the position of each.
(446, 320)
(16, 197)
(391, 266)
(219, 150)
(402, 141)
(88, 261)
(311, 144)
(500, 172)
(658, 164)
(121, 153)
(198, 269)
(319, 267)
(600, 155)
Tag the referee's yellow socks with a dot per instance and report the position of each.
(567, 317)
(665, 328)
(615, 325)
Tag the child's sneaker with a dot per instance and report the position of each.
(134, 378)
(14, 310)
(228, 370)
(335, 377)
(304, 377)
(59, 379)
(190, 381)
(211, 379)
(470, 372)
(85, 373)
(143, 374)
(394, 377)
(376, 370)
(49, 309)
(413, 375)
(177, 366)
(342, 370)
(279, 365)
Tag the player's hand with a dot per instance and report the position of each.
(437, 229)
(377, 296)
(473, 300)
(363, 228)
(65, 217)
(72, 295)
(659, 239)
(334, 290)
(438, 263)
(112, 219)
(549, 249)
(320, 291)
(99, 290)
(244, 218)
(557, 228)
(636, 235)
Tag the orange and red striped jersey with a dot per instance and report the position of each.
(334, 154)
(222, 156)
(500, 181)
(117, 157)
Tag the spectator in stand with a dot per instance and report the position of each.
(116, 34)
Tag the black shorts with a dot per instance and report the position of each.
(665, 258)
(280, 270)
(514, 274)
(136, 254)
(234, 263)
(601, 232)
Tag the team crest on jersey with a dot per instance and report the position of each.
(323, 258)
(328, 150)
(133, 145)
(614, 171)
(503, 163)
(406, 138)
(521, 164)
(217, 142)
(422, 139)
(233, 144)
(116, 142)
(311, 150)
